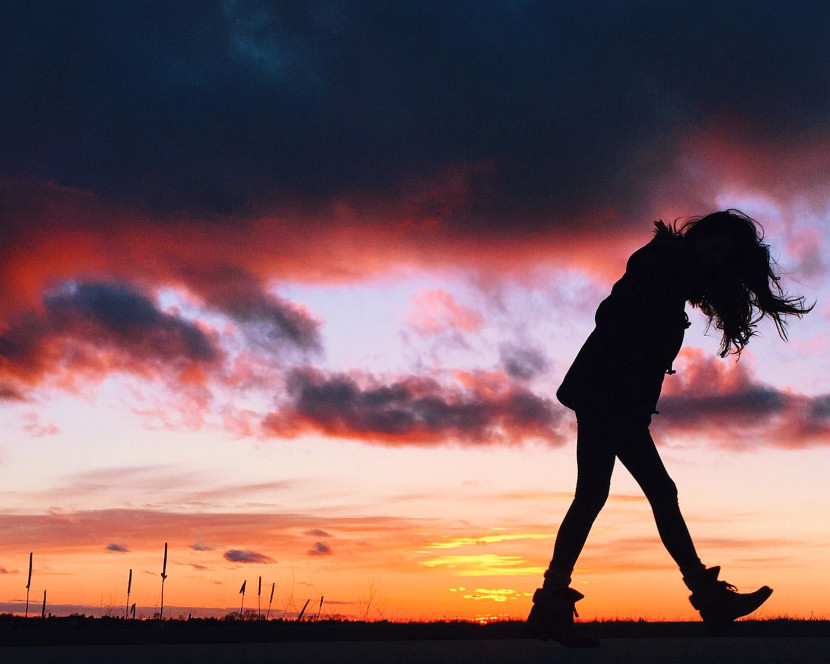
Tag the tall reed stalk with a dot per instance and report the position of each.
(163, 577)
(268, 613)
(302, 613)
(129, 587)
(28, 585)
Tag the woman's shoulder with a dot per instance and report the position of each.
(665, 250)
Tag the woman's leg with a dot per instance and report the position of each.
(639, 455)
(595, 463)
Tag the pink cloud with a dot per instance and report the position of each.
(807, 248)
(722, 399)
(36, 427)
(436, 311)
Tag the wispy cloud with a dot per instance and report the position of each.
(523, 362)
(149, 481)
(436, 311)
(270, 322)
(567, 496)
(85, 530)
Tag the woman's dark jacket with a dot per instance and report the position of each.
(639, 331)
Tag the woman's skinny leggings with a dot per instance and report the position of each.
(600, 440)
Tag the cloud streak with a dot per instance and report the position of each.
(85, 530)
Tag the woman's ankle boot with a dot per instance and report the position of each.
(552, 617)
(719, 602)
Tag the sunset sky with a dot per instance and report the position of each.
(291, 286)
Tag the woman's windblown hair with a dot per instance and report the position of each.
(735, 284)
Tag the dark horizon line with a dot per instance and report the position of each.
(80, 631)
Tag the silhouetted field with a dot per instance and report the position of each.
(80, 630)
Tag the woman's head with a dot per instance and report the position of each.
(732, 277)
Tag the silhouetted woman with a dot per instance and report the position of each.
(720, 265)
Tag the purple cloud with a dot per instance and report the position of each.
(238, 556)
(522, 362)
(482, 408)
(320, 549)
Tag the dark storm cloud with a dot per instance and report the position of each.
(412, 410)
(237, 556)
(129, 318)
(570, 108)
(100, 327)
(117, 548)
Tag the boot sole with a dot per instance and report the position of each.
(716, 620)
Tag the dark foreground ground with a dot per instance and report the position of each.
(90, 641)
